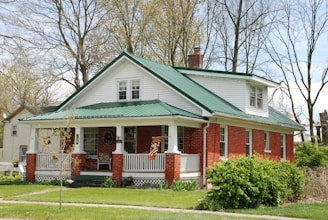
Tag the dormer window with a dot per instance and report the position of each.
(256, 97)
(129, 90)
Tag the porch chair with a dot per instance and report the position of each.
(104, 158)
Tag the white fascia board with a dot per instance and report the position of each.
(249, 77)
(86, 87)
(133, 121)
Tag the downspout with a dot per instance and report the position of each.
(204, 154)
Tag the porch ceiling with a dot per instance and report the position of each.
(152, 108)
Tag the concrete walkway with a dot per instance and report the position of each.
(227, 214)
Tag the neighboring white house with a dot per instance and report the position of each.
(16, 136)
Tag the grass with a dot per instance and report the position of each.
(137, 197)
(119, 196)
(78, 213)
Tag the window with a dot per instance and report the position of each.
(165, 141)
(122, 90)
(22, 153)
(282, 147)
(266, 142)
(256, 97)
(180, 139)
(90, 141)
(130, 139)
(135, 89)
(14, 130)
(129, 90)
(223, 144)
(248, 142)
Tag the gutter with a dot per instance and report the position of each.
(204, 154)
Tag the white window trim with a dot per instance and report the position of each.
(256, 96)
(250, 141)
(128, 89)
(283, 146)
(267, 142)
(225, 142)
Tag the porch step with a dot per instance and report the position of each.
(87, 180)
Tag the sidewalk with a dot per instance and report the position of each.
(153, 209)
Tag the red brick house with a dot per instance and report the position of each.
(202, 115)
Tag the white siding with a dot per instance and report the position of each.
(235, 91)
(104, 89)
(11, 143)
(232, 90)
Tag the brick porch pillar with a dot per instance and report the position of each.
(30, 167)
(117, 168)
(78, 160)
(172, 167)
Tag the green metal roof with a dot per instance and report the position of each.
(209, 101)
(117, 110)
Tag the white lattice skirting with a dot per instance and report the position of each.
(49, 176)
(142, 181)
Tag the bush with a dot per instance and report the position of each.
(10, 178)
(248, 182)
(310, 155)
(109, 182)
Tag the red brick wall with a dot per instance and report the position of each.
(172, 167)
(117, 168)
(290, 147)
(236, 141)
(213, 144)
(258, 141)
(30, 167)
(144, 137)
(78, 160)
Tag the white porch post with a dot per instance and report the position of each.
(119, 140)
(33, 147)
(173, 140)
(78, 140)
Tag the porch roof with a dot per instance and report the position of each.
(153, 108)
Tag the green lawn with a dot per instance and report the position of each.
(124, 196)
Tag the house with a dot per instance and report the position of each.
(16, 136)
(202, 116)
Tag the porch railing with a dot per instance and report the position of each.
(46, 161)
(141, 163)
(189, 162)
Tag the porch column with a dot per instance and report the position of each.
(172, 156)
(78, 140)
(117, 156)
(31, 156)
(78, 155)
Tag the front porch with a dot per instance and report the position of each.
(138, 166)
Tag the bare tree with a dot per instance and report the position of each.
(293, 52)
(236, 33)
(70, 34)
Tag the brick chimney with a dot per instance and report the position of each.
(195, 60)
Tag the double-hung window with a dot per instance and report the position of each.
(223, 142)
(129, 90)
(282, 147)
(256, 97)
(266, 142)
(248, 142)
(135, 89)
(122, 90)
